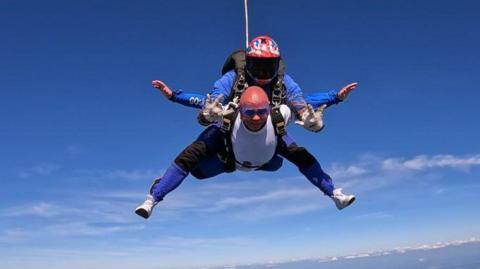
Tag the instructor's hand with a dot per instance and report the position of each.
(343, 93)
(163, 88)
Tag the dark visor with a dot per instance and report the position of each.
(262, 68)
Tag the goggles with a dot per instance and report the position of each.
(250, 112)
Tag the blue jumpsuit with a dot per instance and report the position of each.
(198, 100)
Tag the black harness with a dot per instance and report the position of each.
(237, 61)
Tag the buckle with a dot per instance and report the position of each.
(280, 128)
(226, 125)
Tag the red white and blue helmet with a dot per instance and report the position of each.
(263, 59)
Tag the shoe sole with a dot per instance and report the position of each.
(349, 203)
(142, 213)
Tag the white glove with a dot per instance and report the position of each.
(312, 120)
(230, 107)
(213, 111)
(232, 104)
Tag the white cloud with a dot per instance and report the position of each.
(73, 218)
(13, 235)
(252, 204)
(43, 169)
(247, 200)
(438, 245)
(87, 229)
(136, 174)
(439, 191)
(424, 162)
(336, 171)
(118, 195)
(356, 256)
(279, 195)
(202, 243)
(275, 211)
(74, 150)
(373, 216)
(72, 253)
(40, 209)
(253, 200)
(373, 173)
(382, 252)
(63, 230)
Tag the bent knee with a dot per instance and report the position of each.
(300, 156)
(198, 174)
(191, 155)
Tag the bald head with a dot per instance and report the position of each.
(254, 97)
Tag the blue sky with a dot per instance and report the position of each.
(82, 132)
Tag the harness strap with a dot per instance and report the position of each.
(278, 121)
(237, 61)
(278, 91)
(278, 97)
(226, 155)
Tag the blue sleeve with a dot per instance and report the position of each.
(224, 86)
(294, 94)
(320, 98)
(194, 100)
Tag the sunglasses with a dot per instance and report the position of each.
(261, 112)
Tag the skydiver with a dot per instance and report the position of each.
(261, 65)
(253, 143)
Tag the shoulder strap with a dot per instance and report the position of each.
(278, 97)
(236, 61)
(226, 155)
(278, 91)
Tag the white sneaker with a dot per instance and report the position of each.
(145, 209)
(341, 200)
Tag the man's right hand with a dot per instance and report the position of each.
(312, 120)
(163, 88)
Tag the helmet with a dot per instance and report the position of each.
(263, 59)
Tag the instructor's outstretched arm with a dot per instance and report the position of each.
(178, 96)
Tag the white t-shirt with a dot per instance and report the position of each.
(254, 149)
